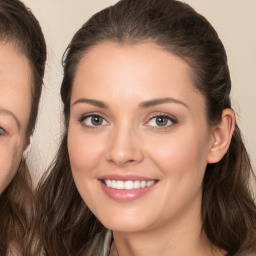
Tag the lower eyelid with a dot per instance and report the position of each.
(83, 118)
(170, 118)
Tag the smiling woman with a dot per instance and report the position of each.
(151, 161)
(22, 59)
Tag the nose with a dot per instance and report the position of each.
(124, 147)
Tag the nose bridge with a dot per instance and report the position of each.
(124, 145)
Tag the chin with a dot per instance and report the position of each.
(125, 224)
(124, 228)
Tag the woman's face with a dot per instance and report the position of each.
(138, 138)
(15, 97)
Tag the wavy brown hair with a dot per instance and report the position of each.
(20, 28)
(66, 225)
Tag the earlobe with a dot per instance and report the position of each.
(222, 134)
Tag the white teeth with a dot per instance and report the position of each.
(108, 183)
(136, 184)
(150, 183)
(113, 184)
(143, 184)
(129, 184)
(120, 184)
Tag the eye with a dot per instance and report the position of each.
(2, 131)
(94, 120)
(161, 121)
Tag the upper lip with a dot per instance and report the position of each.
(124, 177)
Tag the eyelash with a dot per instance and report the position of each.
(2, 131)
(169, 118)
(90, 115)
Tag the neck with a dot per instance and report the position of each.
(184, 236)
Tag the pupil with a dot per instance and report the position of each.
(97, 120)
(161, 121)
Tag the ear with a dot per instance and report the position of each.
(28, 144)
(221, 136)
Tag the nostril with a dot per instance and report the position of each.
(131, 161)
(124, 152)
(122, 161)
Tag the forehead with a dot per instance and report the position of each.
(133, 67)
(15, 82)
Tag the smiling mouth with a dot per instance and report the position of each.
(129, 184)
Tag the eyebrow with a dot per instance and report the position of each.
(154, 102)
(9, 113)
(95, 103)
(145, 104)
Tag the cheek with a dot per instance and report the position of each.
(10, 157)
(181, 159)
(182, 155)
(85, 151)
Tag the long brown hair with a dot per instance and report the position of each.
(19, 27)
(66, 225)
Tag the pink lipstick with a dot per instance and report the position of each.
(126, 188)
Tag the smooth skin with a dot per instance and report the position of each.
(15, 98)
(119, 93)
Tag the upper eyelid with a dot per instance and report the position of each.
(6, 112)
(173, 121)
(149, 117)
(83, 116)
(173, 118)
(8, 124)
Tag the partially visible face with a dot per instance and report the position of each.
(15, 97)
(138, 138)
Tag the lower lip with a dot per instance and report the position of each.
(125, 195)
